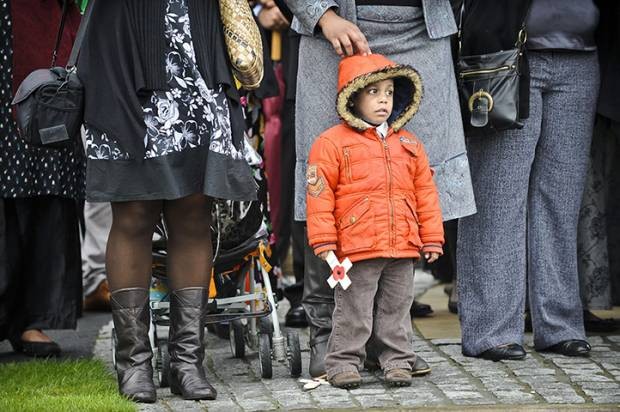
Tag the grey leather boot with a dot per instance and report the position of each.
(187, 378)
(130, 312)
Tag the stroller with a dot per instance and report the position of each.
(241, 295)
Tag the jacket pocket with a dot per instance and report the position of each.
(355, 165)
(414, 226)
(356, 229)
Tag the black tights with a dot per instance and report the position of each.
(128, 255)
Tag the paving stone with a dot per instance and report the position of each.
(564, 399)
(534, 372)
(440, 342)
(181, 405)
(367, 391)
(600, 385)
(151, 407)
(456, 394)
(590, 378)
(419, 401)
(257, 405)
(612, 399)
(370, 401)
(216, 406)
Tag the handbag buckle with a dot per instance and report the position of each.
(480, 94)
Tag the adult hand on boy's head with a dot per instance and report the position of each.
(345, 37)
(431, 256)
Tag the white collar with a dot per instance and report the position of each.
(382, 129)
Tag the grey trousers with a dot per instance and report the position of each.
(98, 221)
(528, 185)
(382, 286)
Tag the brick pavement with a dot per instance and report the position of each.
(541, 380)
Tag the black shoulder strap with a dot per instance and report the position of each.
(61, 29)
(75, 51)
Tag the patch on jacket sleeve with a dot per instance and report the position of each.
(316, 184)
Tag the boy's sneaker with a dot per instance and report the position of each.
(398, 377)
(346, 380)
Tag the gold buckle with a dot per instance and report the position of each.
(480, 94)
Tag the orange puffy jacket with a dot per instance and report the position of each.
(369, 196)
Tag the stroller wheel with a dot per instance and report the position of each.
(237, 338)
(265, 326)
(264, 356)
(294, 353)
(163, 363)
(114, 344)
(221, 330)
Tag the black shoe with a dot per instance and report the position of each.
(573, 347)
(296, 317)
(453, 307)
(131, 315)
(593, 323)
(511, 351)
(36, 349)
(420, 367)
(188, 308)
(420, 310)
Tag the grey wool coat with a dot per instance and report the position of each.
(419, 37)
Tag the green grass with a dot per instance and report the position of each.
(67, 385)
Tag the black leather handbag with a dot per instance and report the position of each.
(49, 103)
(489, 87)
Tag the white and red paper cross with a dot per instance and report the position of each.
(339, 271)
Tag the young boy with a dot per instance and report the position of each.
(371, 198)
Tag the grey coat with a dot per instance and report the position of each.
(409, 35)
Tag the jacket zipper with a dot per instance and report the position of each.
(485, 71)
(347, 164)
(386, 150)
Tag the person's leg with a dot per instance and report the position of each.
(592, 253)
(54, 265)
(190, 259)
(97, 223)
(128, 266)
(318, 302)
(392, 322)
(353, 321)
(128, 253)
(556, 189)
(491, 247)
(296, 316)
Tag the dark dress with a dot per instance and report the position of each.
(40, 265)
(188, 136)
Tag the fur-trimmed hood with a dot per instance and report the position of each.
(357, 72)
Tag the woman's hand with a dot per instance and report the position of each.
(346, 38)
(431, 256)
(271, 18)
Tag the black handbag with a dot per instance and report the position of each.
(489, 87)
(49, 103)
